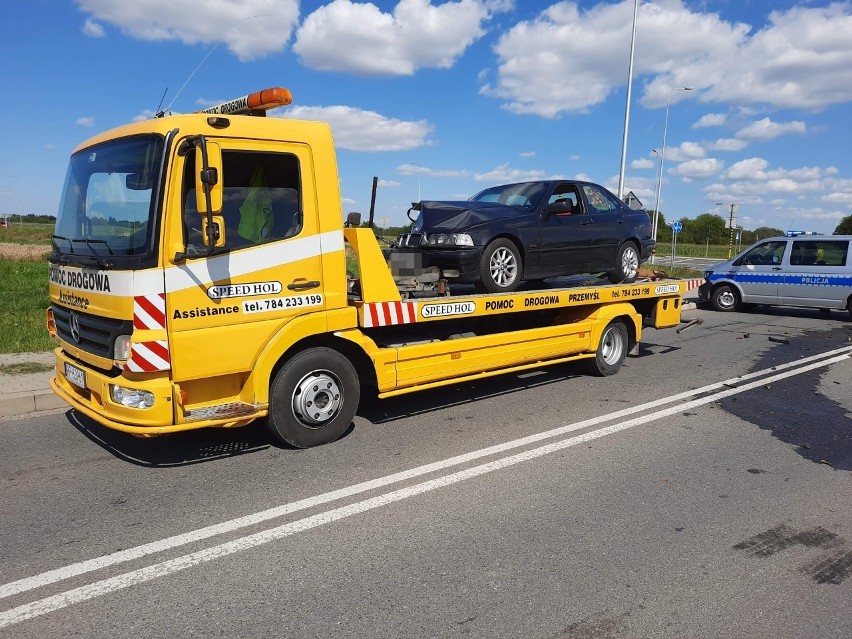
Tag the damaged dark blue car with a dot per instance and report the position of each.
(528, 231)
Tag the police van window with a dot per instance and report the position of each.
(764, 254)
(819, 253)
(261, 198)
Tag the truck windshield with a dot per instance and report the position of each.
(106, 207)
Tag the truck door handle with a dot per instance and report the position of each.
(303, 285)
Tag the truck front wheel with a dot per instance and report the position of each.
(313, 398)
(612, 350)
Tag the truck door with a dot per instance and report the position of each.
(565, 235)
(223, 309)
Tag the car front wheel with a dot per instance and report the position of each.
(627, 265)
(725, 298)
(500, 267)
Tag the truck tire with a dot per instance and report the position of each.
(612, 350)
(627, 265)
(500, 267)
(313, 398)
(849, 307)
(725, 298)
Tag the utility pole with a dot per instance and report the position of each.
(731, 226)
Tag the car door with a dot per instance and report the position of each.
(815, 276)
(606, 230)
(565, 236)
(759, 272)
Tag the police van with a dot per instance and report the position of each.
(810, 271)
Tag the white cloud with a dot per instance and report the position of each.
(250, 29)
(93, 29)
(360, 38)
(710, 119)
(388, 183)
(838, 198)
(85, 121)
(766, 129)
(686, 151)
(750, 169)
(698, 169)
(527, 154)
(505, 174)
(799, 59)
(359, 130)
(642, 163)
(410, 168)
(727, 144)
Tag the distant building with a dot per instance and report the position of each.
(632, 201)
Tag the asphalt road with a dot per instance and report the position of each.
(704, 491)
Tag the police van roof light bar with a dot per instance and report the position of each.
(253, 103)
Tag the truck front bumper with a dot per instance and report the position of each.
(90, 393)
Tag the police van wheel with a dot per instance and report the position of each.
(849, 307)
(313, 398)
(725, 298)
(612, 350)
(627, 265)
(500, 267)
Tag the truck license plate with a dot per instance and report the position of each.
(75, 375)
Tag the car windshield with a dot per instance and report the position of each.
(525, 196)
(106, 206)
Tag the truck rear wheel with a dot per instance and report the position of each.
(612, 350)
(313, 398)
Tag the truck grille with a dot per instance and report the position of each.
(97, 334)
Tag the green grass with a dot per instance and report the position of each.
(23, 301)
(29, 233)
(25, 368)
(713, 251)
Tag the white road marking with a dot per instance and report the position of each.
(27, 611)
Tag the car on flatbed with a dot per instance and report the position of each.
(529, 231)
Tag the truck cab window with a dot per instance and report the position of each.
(261, 198)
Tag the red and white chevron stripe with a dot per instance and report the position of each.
(149, 311)
(691, 284)
(147, 357)
(389, 313)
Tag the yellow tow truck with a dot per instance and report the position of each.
(199, 279)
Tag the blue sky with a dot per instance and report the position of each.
(448, 98)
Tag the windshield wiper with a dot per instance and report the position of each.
(89, 243)
(97, 259)
(62, 237)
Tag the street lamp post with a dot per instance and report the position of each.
(731, 226)
(627, 106)
(663, 157)
(656, 203)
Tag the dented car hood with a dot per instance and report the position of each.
(449, 217)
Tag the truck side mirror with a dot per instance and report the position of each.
(218, 233)
(353, 219)
(208, 177)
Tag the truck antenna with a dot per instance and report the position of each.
(158, 113)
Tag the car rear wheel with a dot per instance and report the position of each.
(725, 298)
(500, 267)
(627, 264)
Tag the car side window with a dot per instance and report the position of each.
(566, 194)
(596, 198)
(819, 253)
(261, 198)
(764, 254)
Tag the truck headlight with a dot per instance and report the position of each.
(122, 347)
(131, 397)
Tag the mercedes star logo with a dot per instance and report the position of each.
(74, 323)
